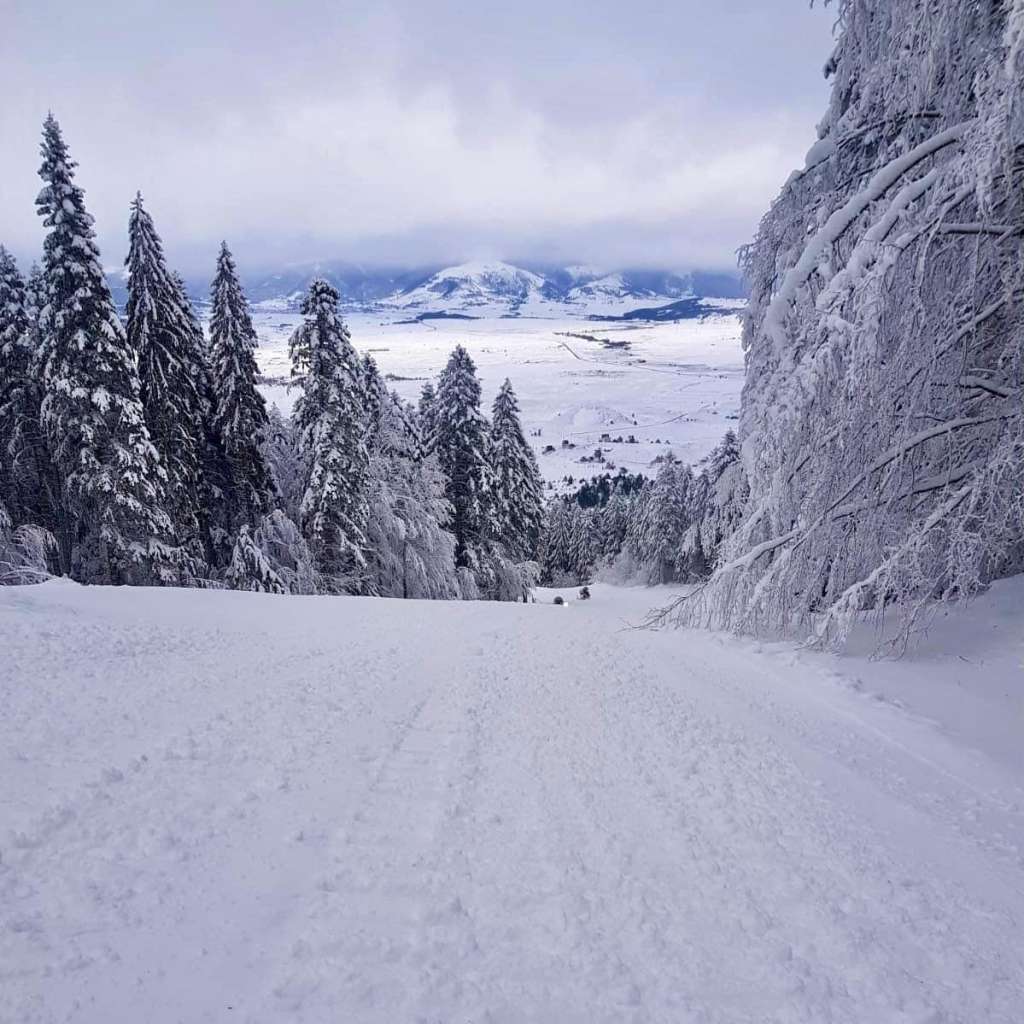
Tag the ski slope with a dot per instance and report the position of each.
(224, 806)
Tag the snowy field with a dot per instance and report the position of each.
(225, 806)
(672, 384)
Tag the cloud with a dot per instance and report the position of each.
(646, 133)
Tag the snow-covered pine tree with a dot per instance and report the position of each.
(666, 520)
(461, 443)
(556, 544)
(427, 417)
(375, 396)
(582, 544)
(287, 553)
(332, 438)
(410, 553)
(518, 490)
(28, 485)
(882, 422)
(113, 526)
(26, 552)
(214, 474)
(612, 523)
(172, 375)
(250, 569)
(239, 412)
(722, 494)
(281, 453)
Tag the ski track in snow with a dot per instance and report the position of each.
(235, 807)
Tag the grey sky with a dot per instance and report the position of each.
(643, 133)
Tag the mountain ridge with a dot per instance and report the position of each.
(484, 288)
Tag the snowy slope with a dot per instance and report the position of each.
(478, 288)
(222, 806)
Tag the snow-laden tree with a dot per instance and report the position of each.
(250, 569)
(569, 544)
(656, 545)
(281, 453)
(719, 498)
(882, 422)
(172, 374)
(461, 442)
(239, 412)
(287, 553)
(409, 551)
(25, 552)
(612, 523)
(113, 527)
(27, 481)
(332, 428)
(375, 396)
(518, 489)
(427, 421)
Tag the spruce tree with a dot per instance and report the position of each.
(666, 520)
(171, 373)
(113, 526)
(332, 439)
(250, 569)
(27, 482)
(518, 490)
(410, 553)
(375, 396)
(215, 472)
(239, 413)
(427, 416)
(461, 443)
(281, 452)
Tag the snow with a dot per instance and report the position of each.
(228, 806)
(837, 224)
(676, 384)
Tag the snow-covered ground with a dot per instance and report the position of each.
(671, 384)
(223, 806)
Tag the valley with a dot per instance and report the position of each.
(673, 386)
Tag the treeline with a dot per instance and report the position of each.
(661, 530)
(143, 453)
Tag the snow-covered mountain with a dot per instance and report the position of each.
(486, 289)
(502, 289)
(493, 288)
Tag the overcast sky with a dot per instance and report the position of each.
(651, 132)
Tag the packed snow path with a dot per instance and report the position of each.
(223, 806)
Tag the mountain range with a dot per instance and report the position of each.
(483, 289)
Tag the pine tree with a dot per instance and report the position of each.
(215, 471)
(375, 396)
(613, 522)
(27, 481)
(461, 442)
(239, 412)
(332, 429)
(281, 453)
(113, 526)
(556, 543)
(410, 554)
(250, 568)
(427, 416)
(518, 490)
(582, 544)
(666, 520)
(171, 372)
